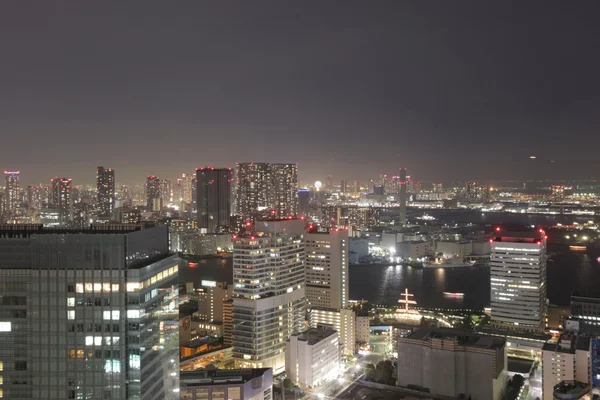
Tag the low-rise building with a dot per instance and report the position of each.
(363, 329)
(342, 321)
(452, 362)
(567, 359)
(313, 356)
(411, 250)
(243, 384)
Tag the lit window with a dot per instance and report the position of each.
(71, 301)
(115, 287)
(106, 315)
(97, 287)
(97, 340)
(133, 286)
(79, 287)
(116, 314)
(5, 327)
(133, 313)
(1, 365)
(89, 340)
(71, 314)
(106, 287)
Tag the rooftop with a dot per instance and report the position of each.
(569, 344)
(315, 335)
(462, 337)
(216, 377)
(571, 389)
(25, 230)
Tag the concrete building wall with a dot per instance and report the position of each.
(363, 329)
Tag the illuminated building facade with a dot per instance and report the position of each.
(153, 197)
(264, 189)
(61, 199)
(11, 194)
(326, 266)
(244, 384)
(518, 278)
(105, 186)
(252, 189)
(165, 191)
(187, 181)
(283, 190)
(566, 360)
(269, 300)
(313, 356)
(35, 198)
(403, 195)
(88, 313)
(213, 197)
(303, 202)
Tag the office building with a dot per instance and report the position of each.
(303, 202)
(518, 278)
(88, 313)
(11, 192)
(284, 190)
(326, 268)
(153, 196)
(253, 182)
(567, 359)
(451, 362)
(61, 199)
(210, 302)
(105, 186)
(213, 198)
(242, 384)
(313, 356)
(585, 308)
(340, 320)
(326, 260)
(269, 292)
(228, 322)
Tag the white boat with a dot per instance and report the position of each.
(454, 262)
(450, 294)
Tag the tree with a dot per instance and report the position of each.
(517, 381)
(385, 372)
(370, 371)
(288, 384)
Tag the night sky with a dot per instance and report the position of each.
(449, 89)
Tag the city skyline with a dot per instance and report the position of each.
(352, 91)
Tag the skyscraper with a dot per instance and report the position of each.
(88, 314)
(303, 202)
(403, 183)
(187, 181)
(518, 278)
(105, 186)
(326, 269)
(11, 195)
(269, 292)
(284, 190)
(213, 197)
(326, 261)
(252, 189)
(61, 199)
(153, 198)
(165, 191)
(34, 198)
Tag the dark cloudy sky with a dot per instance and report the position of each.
(449, 89)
